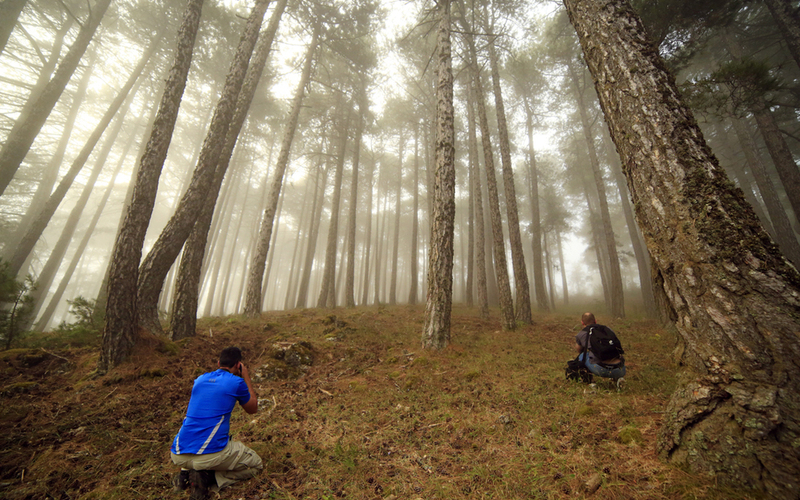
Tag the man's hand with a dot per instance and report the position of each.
(252, 404)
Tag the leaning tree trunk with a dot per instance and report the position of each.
(37, 227)
(436, 333)
(162, 256)
(523, 302)
(313, 234)
(184, 315)
(36, 111)
(736, 412)
(121, 329)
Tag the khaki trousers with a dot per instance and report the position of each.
(234, 463)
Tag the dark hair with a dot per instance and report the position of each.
(230, 356)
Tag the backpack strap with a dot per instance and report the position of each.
(586, 347)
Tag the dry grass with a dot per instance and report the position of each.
(375, 417)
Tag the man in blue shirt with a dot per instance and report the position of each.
(203, 448)
(613, 367)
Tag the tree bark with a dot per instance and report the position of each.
(162, 256)
(313, 234)
(436, 333)
(36, 110)
(368, 236)
(522, 287)
(736, 412)
(507, 319)
(121, 329)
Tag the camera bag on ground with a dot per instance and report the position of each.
(604, 343)
(576, 369)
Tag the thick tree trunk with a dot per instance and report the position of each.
(436, 333)
(121, 329)
(162, 256)
(522, 287)
(507, 319)
(36, 110)
(736, 299)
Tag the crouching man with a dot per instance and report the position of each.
(202, 448)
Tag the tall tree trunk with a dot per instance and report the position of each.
(381, 227)
(414, 257)
(536, 222)
(36, 110)
(736, 413)
(436, 333)
(162, 256)
(480, 231)
(274, 249)
(639, 251)
(396, 239)
(327, 295)
(121, 329)
(550, 278)
(507, 319)
(313, 233)
(39, 224)
(523, 302)
(785, 16)
(368, 236)
(349, 289)
(563, 268)
(9, 13)
(617, 304)
(291, 292)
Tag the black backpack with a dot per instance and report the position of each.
(604, 343)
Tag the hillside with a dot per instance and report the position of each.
(373, 417)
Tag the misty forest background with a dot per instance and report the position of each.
(351, 217)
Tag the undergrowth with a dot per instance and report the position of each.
(375, 416)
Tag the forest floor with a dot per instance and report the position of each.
(375, 416)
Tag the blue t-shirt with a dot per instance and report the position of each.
(207, 424)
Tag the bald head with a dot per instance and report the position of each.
(588, 319)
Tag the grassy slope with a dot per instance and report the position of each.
(375, 417)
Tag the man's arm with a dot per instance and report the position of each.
(252, 404)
